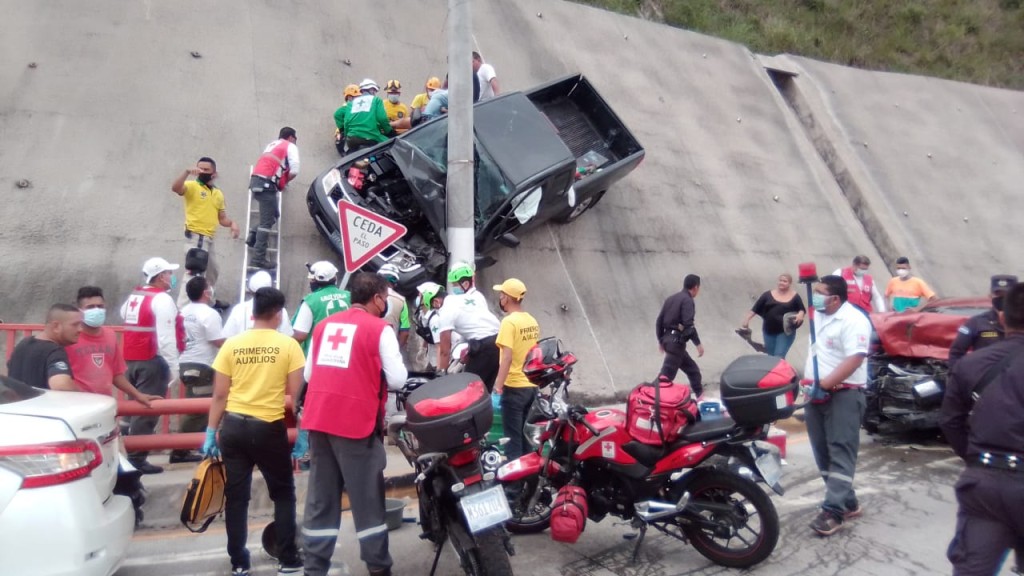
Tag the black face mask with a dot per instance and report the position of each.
(997, 303)
(204, 179)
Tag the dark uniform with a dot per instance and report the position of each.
(674, 329)
(990, 439)
(981, 330)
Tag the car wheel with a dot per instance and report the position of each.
(580, 208)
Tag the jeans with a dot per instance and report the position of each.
(778, 344)
(150, 377)
(677, 358)
(264, 192)
(515, 404)
(247, 442)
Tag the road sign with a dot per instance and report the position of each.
(364, 234)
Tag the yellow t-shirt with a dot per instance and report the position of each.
(202, 208)
(258, 362)
(520, 332)
(420, 101)
(396, 111)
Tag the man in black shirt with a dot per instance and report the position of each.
(674, 328)
(41, 361)
(984, 329)
(981, 418)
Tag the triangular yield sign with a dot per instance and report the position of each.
(364, 234)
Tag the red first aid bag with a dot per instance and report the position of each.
(657, 412)
(569, 514)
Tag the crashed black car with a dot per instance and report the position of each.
(547, 154)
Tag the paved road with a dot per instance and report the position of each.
(905, 491)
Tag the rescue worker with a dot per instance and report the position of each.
(981, 418)
(364, 121)
(431, 297)
(674, 327)
(398, 113)
(518, 333)
(254, 372)
(833, 417)
(419, 102)
(398, 309)
(203, 338)
(154, 336)
(465, 312)
(351, 92)
(984, 329)
(204, 210)
(278, 165)
(863, 293)
(353, 356)
(241, 319)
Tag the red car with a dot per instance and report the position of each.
(907, 366)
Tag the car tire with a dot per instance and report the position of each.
(580, 208)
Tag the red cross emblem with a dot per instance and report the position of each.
(337, 339)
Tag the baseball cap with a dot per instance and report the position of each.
(513, 287)
(1003, 282)
(259, 280)
(323, 271)
(155, 266)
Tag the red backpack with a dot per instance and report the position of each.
(657, 412)
(569, 514)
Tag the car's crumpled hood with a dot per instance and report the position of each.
(924, 334)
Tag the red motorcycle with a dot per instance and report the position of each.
(702, 488)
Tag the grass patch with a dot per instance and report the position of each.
(979, 41)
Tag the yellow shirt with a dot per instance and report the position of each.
(202, 208)
(420, 101)
(520, 332)
(396, 111)
(258, 362)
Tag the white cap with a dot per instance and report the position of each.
(323, 271)
(259, 280)
(368, 84)
(155, 266)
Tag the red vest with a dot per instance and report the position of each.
(273, 165)
(346, 392)
(140, 341)
(859, 296)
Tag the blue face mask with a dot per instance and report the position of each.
(174, 281)
(818, 301)
(457, 289)
(94, 317)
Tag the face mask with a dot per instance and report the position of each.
(387, 306)
(997, 303)
(818, 301)
(859, 272)
(204, 179)
(393, 98)
(458, 290)
(94, 317)
(501, 304)
(902, 272)
(174, 282)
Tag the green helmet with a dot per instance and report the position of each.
(459, 271)
(428, 291)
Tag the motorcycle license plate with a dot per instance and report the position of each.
(485, 509)
(770, 467)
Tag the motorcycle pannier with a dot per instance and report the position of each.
(204, 497)
(758, 389)
(449, 412)
(663, 401)
(569, 514)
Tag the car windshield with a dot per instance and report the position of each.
(492, 189)
(12, 391)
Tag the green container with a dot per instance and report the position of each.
(497, 429)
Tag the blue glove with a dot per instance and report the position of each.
(301, 445)
(496, 401)
(210, 445)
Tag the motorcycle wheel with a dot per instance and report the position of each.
(743, 536)
(538, 518)
(488, 558)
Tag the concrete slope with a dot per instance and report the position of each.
(116, 106)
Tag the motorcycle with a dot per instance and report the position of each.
(904, 397)
(702, 489)
(440, 432)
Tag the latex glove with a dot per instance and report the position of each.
(210, 445)
(301, 445)
(496, 401)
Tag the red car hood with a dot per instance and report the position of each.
(928, 333)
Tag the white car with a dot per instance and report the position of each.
(58, 466)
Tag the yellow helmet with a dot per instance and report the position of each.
(351, 91)
(433, 83)
(393, 86)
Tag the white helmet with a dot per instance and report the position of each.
(390, 272)
(259, 280)
(367, 84)
(323, 271)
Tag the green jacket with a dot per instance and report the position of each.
(364, 117)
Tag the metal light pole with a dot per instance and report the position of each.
(461, 245)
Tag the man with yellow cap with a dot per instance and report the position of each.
(518, 333)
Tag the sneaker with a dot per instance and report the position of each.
(147, 468)
(826, 523)
(855, 512)
(290, 568)
(239, 571)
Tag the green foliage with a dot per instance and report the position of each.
(979, 41)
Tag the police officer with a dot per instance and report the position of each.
(465, 313)
(674, 328)
(983, 329)
(981, 418)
